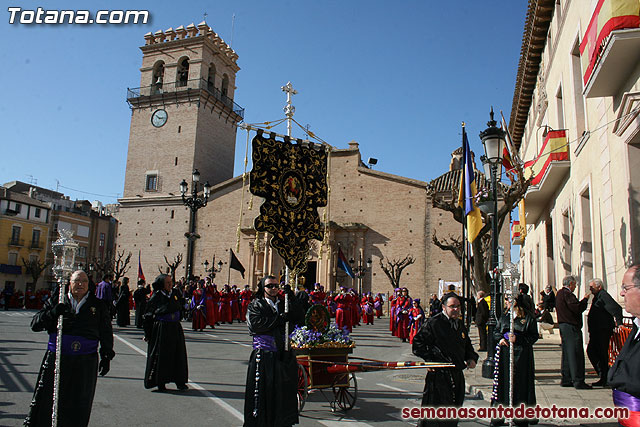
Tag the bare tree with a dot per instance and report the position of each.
(102, 266)
(121, 265)
(173, 265)
(34, 268)
(508, 195)
(393, 268)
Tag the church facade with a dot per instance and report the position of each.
(184, 118)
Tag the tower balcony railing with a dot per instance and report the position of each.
(160, 90)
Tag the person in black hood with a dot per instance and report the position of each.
(167, 351)
(272, 377)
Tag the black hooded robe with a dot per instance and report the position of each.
(274, 403)
(78, 372)
(437, 341)
(123, 316)
(166, 350)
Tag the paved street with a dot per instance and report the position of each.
(217, 370)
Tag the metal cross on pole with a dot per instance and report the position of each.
(289, 109)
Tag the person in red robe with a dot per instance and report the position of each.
(403, 306)
(225, 305)
(318, 296)
(211, 303)
(199, 308)
(377, 305)
(343, 309)
(392, 315)
(331, 304)
(235, 304)
(367, 309)
(245, 298)
(416, 316)
(355, 308)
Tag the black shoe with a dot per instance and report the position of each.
(583, 386)
(566, 385)
(496, 423)
(161, 387)
(600, 383)
(182, 387)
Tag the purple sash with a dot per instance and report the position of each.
(73, 345)
(264, 342)
(625, 400)
(171, 317)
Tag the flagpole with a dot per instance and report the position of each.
(229, 269)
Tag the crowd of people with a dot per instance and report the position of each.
(441, 336)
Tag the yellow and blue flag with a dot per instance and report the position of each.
(467, 192)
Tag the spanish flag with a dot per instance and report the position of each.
(467, 192)
(554, 148)
(609, 15)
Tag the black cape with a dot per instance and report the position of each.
(437, 341)
(123, 317)
(526, 331)
(166, 349)
(140, 298)
(276, 371)
(78, 373)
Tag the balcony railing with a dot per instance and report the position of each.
(35, 244)
(16, 242)
(178, 87)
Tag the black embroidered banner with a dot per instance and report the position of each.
(292, 179)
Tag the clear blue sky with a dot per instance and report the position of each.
(396, 76)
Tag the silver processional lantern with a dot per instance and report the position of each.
(64, 253)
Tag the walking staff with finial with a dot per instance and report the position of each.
(289, 111)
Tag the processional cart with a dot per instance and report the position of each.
(323, 350)
(292, 177)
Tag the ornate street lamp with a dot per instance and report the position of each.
(193, 202)
(64, 253)
(493, 140)
(359, 271)
(213, 270)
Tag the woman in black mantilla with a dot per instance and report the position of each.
(270, 397)
(525, 335)
(166, 352)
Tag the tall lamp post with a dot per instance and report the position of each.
(359, 271)
(493, 140)
(193, 202)
(213, 270)
(64, 251)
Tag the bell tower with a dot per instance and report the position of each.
(183, 118)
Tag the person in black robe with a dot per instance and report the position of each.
(140, 299)
(166, 350)
(624, 375)
(525, 334)
(86, 323)
(604, 315)
(123, 316)
(270, 397)
(443, 338)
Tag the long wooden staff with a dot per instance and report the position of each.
(511, 318)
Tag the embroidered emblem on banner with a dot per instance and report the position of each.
(292, 178)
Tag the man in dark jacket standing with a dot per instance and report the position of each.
(604, 315)
(270, 397)
(482, 317)
(86, 323)
(570, 324)
(443, 338)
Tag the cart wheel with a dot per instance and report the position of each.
(345, 397)
(303, 383)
